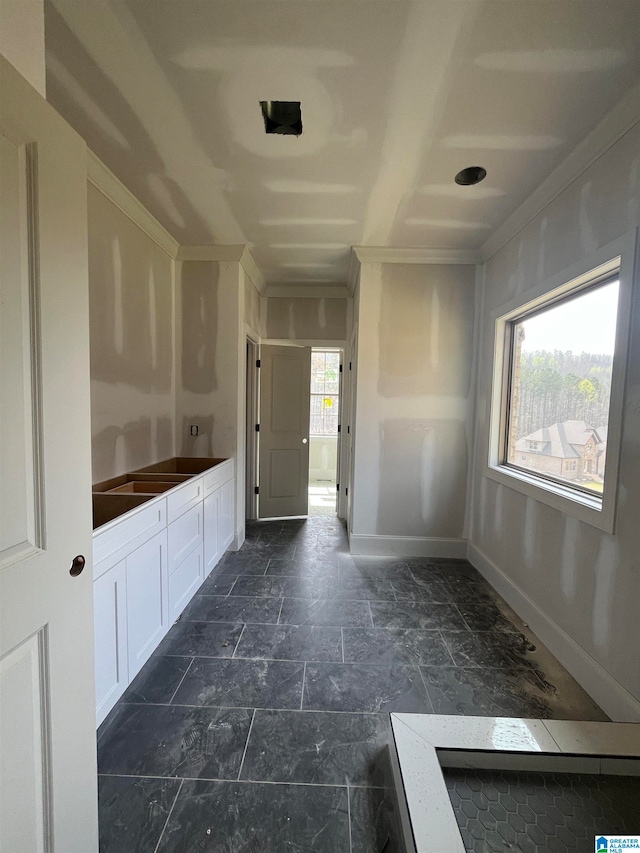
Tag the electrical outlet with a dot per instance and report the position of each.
(194, 429)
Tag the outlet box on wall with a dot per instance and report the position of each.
(194, 429)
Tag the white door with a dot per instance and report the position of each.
(48, 799)
(285, 381)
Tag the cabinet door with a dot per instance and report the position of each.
(184, 582)
(211, 535)
(110, 633)
(226, 516)
(147, 600)
(185, 535)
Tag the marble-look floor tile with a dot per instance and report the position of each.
(394, 570)
(375, 821)
(314, 566)
(290, 642)
(281, 586)
(364, 687)
(242, 684)
(425, 591)
(484, 617)
(241, 563)
(235, 608)
(415, 614)
(317, 747)
(363, 589)
(201, 639)
(163, 740)
(247, 817)
(486, 692)
(217, 584)
(489, 649)
(158, 680)
(133, 812)
(389, 645)
(300, 611)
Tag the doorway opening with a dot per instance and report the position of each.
(324, 428)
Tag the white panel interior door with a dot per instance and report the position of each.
(285, 383)
(48, 785)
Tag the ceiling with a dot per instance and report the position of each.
(396, 98)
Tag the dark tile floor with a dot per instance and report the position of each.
(261, 722)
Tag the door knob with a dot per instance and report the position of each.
(304, 440)
(77, 565)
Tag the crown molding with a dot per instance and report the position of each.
(234, 253)
(619, 121)
(354, 272)
(112, 188)
(305, 291)
(415, 255)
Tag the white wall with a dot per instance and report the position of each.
(307, 318)
(582, 586)
(412, 443)
(132, 354)
(323, 457)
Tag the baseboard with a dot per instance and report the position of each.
(406, 546)
(614, 699)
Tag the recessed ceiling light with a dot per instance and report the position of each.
(282, 117)
(471, 175)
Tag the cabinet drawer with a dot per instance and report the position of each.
(185, 534)
(182, 499)
(127, 533)
(184, 582)
(217, 476)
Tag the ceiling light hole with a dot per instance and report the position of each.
(283, 117)
(471, 175)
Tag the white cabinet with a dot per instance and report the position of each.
(212, 550)
(147, 601)
(226, 531)
(148, 564)
(110, 631)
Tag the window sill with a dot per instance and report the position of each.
(596, 511)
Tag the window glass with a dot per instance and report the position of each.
(325, 385)
(560, 387)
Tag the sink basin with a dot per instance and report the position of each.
(124, 479)
(181, 465)
(143, 487)
(106, 507)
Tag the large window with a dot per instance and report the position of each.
(325, 388)
(559, 375)
(560, 356)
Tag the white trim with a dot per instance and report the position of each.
(321, 343)
(612, 697)
(112, 188)
(354, 272)
(406, 546)
(297, 291)
(415, 255)
(619, 121)
(231, 253)
(621, 253)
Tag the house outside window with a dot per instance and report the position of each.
(558, 388)
(325, 388)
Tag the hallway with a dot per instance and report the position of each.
(261, 722)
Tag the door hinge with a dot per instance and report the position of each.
(257, 427)
(348, 430)
(256, 490)
(339, 427)
(337, 487)
(340, 368)
(346, 491)
(349, 365)
(258, 362)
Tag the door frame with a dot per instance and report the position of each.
(347, 406)
(252, 392)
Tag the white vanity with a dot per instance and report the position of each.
(158, 533)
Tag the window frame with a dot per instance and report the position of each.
(617, 258)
